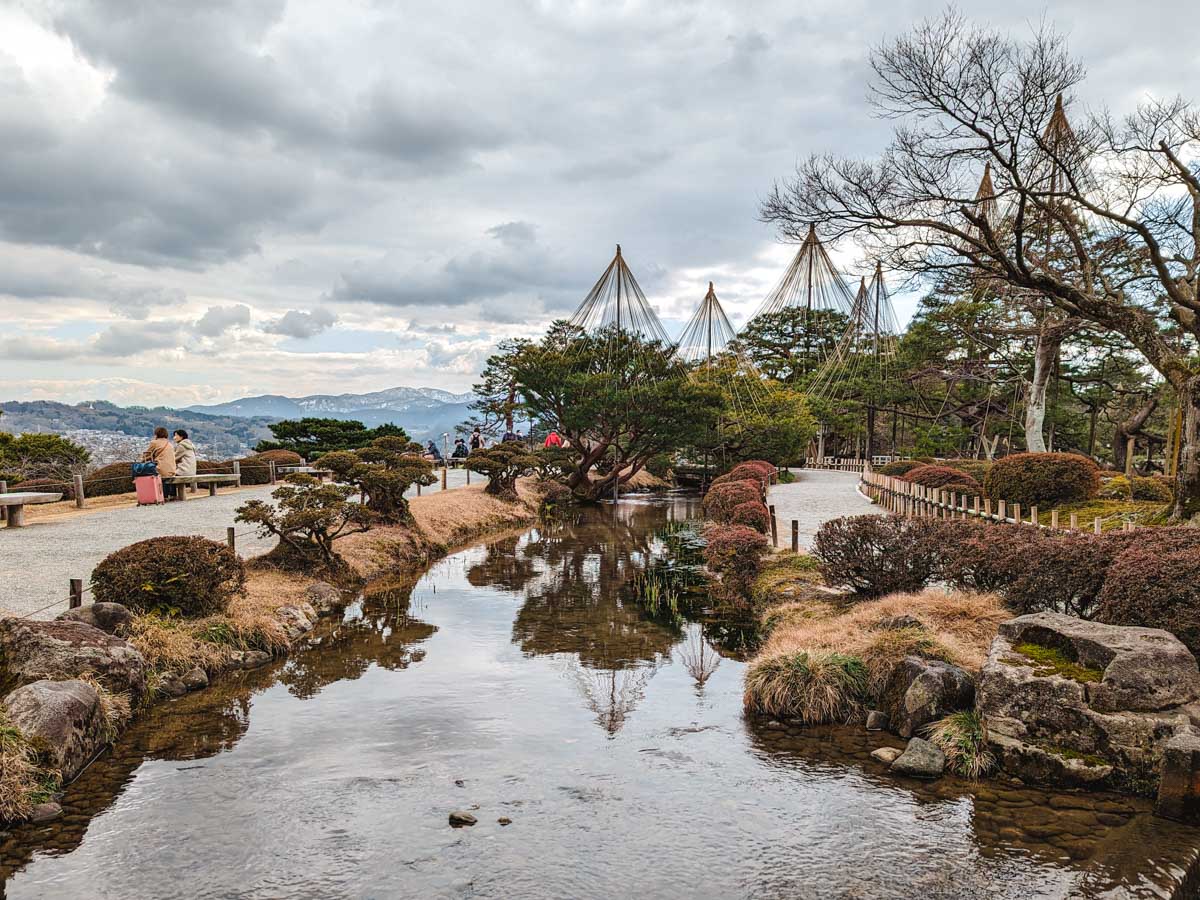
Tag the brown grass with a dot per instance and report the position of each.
(817, 687)
(19, 772)
(957, 627)
(114, 708)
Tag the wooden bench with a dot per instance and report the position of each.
(211, 479)
(15, 504)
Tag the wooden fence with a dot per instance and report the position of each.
(917, 501)
(838, 465)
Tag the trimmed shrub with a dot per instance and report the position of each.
(1150, 489)
(735, 553)
(754, 468)
(175, 575)
(1043, 479)
(876, 555)
(814, 687)
(721, 499)
(115, 478)
(753, 515)
(940, 477)
(47, 485)
(976, 468)
(1155, 590)
(900, 467)
(279, 457)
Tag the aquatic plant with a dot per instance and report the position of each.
(963, 738)
(814, 687)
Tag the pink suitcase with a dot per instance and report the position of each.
(149, 489)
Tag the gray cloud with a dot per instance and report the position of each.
(39, 349)
(127, 339)
(298, 324)
(219, 319)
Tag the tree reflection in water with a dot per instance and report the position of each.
(377, 631)
(699, 657)
(575, 575)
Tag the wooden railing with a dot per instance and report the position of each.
(838, 465)
(904, 498)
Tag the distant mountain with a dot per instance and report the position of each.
(98, 424)
(422, 412)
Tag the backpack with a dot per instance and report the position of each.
(141, 469)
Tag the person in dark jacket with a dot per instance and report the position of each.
(433, 452)
(476, 440)
(460, 449)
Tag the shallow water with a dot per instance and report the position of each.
(514, 681)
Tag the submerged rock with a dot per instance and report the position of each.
(62, 719)
(504, 820)
(460, 819)
(64, 649)
(920, 759)
(324, 597)
(1080, 703)
(297, 619)
(877, 720)
(111, 618)
(196, 679)
(886, 755)
(921, 691)
(45, 812)
(1179, 789)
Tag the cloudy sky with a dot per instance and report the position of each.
(200, 201)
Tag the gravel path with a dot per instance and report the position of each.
(38, 561)
(816, 496)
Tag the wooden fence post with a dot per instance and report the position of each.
(1002, 511)
(237, 470)
(76, 593)
(468, 468)
(774, 527)
(271, 471)
(445, 469)
(418, 489)
(3, 509)
(795, 536)
(1054, 519)
(1017, 514)
(78, 479)
(231, 538)
(1033, 515)
(1074, 521)
(1096, 525)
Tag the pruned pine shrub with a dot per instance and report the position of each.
(814, 687)
(734, 552)
(503, 464)
(1155, 589)
(1042, 479)
(722, 499)
(115, 478)
(875, 555)
(963, 738)
(175, 575)
(752, 514)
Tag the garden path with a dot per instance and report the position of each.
(38, 561)
(816, 496)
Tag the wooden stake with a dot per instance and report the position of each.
(76, 593)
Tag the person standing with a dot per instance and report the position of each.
(476, 440)
(553, 441)
(161, 452)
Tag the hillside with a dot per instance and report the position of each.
(422, 412)
(98, 425)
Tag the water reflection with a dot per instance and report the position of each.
(524, 680)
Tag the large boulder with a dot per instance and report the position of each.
(297, 619)
(920, 759)
(31, 650)
(62, 719)
(111, 618)
(921, 691)
(324, 597)
(1074, 702)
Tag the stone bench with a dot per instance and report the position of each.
(15, 504)
(211, 479)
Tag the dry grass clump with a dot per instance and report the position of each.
(114, 708)
(956, 627)
(169, 645)
(963, 738)
(814, 687)
(20, 774)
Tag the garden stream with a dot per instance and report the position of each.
(522, 680)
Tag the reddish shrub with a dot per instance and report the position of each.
(730, 478)
(184, 575)
(876, 555)
(1155, 590)
(940, 477)
(735, 553)
(900, 467)
(756, 468)
(1042, 479)
(753, 514)
(721, 499)
(115, 478)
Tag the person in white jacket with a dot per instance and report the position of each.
(185, 454)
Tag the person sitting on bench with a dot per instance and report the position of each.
(162, 453)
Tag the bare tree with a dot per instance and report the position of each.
(1127, 240)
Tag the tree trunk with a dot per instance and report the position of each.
(1045, 353)
(1123, 432)
(1187, 479)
